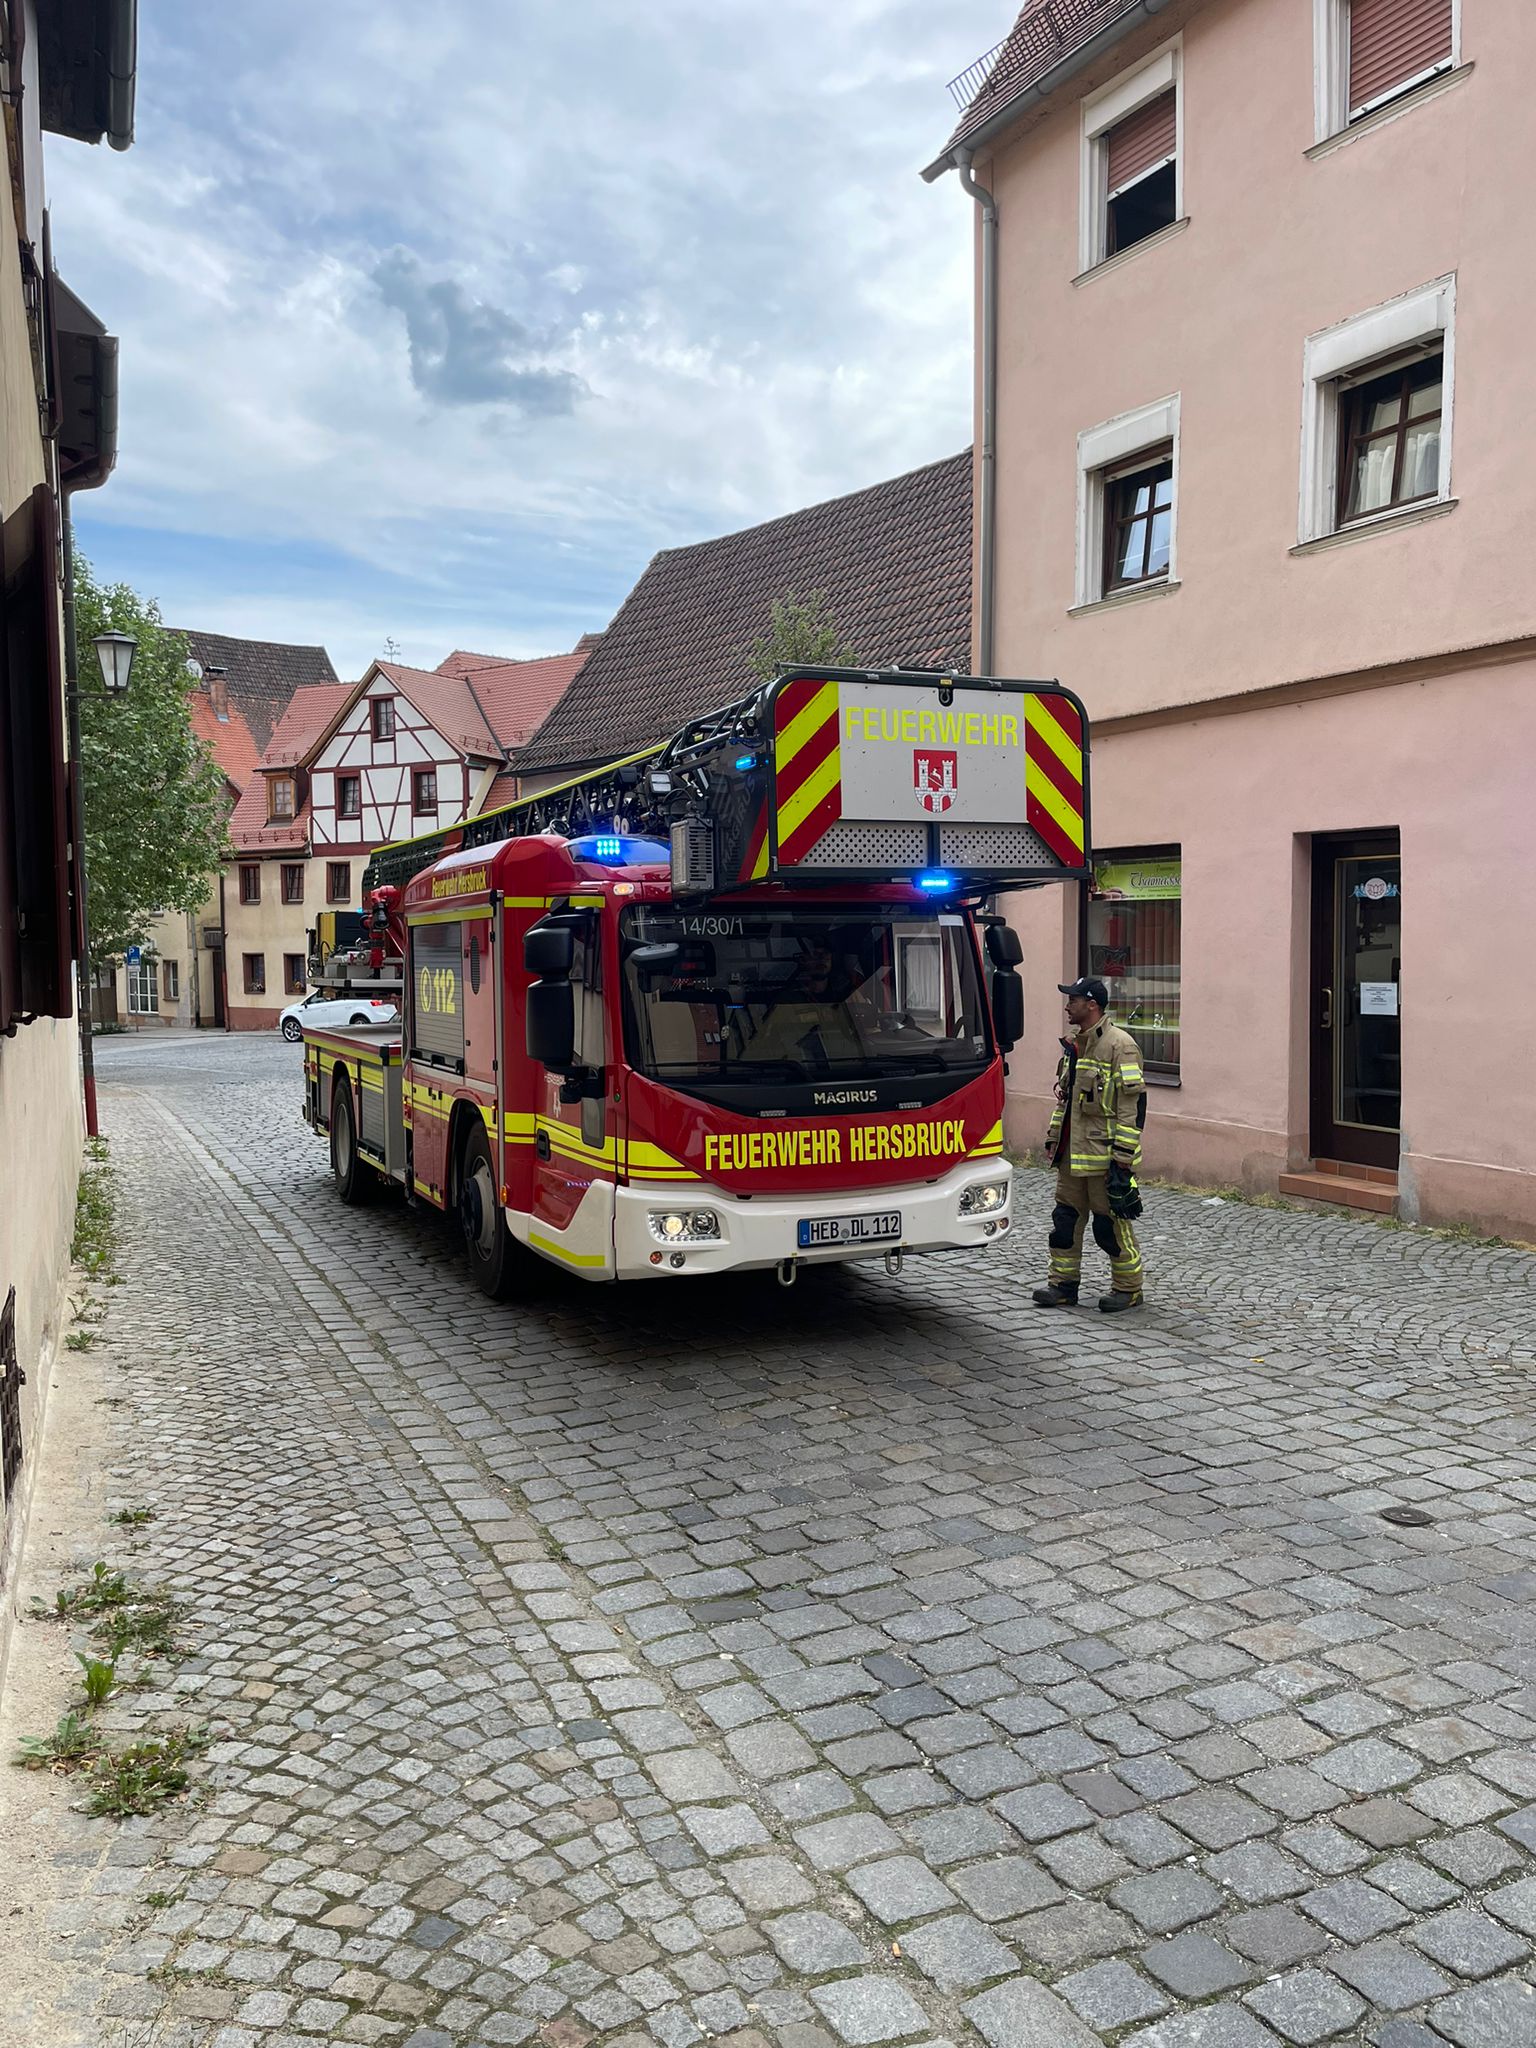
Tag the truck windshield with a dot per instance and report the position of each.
(799, 994)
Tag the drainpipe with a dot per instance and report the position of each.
(986, 581)
(85, 978)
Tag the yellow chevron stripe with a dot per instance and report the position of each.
(760, 862)
(1040, 785)
(1055, 735)
(558, 1251)
(810, 793)
(805, 722)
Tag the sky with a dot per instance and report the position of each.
(438, 322)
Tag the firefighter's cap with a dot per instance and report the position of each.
(1087, 985)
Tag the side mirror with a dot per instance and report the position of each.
(549, 951)
(1007, 1007)
(551, 1020)
(1004, 946)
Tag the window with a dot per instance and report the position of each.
(1127, 503)
(383, 711)
(279, 796)
(250, 881)
(349, 796)
(255, 973)
(293, 881)
(293, 973)
(1131, 173)
(338, 881)
(1134, 945)
(1377, 405)
(1373, 52)
(143, 994)
(424, 792)
(1138, 523)
(171, 976)
(1389, 439)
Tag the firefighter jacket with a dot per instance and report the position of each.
(1101, 1102)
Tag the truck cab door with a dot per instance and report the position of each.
(575, 1136)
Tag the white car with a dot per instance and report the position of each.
(323, 1008)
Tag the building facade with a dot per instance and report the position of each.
(1259, 502)
(348, 768)
(63, 71)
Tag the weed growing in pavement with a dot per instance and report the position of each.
(71, 1746)
(132, 1518)
(105, 1588)
(100, 1677)
(79, 1340)
(145, 1627)
(94, 1248)
(143, 1776)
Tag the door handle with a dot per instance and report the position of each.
(1327, 1017)
(541, 1144)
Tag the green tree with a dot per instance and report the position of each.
(802, 632)
(156, 808)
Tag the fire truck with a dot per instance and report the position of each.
(740, 1001)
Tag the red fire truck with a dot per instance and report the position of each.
(741, 1001)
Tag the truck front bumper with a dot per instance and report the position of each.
(765, 1231)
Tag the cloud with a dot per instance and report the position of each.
(444, 308)
(464, 352)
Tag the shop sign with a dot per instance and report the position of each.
(1137, 881)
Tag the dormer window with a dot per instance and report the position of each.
(383, 710)
(279, 797)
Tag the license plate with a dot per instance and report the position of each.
(816, 1231)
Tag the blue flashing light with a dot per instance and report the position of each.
(613, 850)
(605, 848)
(746, 760)
(937, 881)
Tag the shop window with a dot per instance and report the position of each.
(1134, 946)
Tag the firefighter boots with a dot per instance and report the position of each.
(1117, 1303)
(1057, 1294)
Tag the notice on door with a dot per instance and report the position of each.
(1378, 998)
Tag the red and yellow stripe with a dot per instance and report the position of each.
(1053, 773)
(808, 787)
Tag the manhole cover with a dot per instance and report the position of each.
(1407, 1518)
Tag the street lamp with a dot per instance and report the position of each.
(115, 652)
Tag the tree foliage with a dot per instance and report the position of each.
(802, 632)
(156, 807)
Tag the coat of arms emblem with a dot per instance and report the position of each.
(934, 774)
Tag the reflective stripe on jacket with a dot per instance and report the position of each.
(1101, 1097)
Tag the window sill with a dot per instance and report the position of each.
(1412, 515)
(1139, 595)
(1161, 1080)
(1429, 90)
(1174, 227)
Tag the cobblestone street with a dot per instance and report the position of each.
(880, 1661)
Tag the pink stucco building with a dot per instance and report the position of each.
(1255, 307)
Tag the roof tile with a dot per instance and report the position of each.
(262, 674)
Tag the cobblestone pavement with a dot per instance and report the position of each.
(880, 1661)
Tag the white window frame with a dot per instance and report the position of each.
(1108, 447)
(1337, 357)
(1330, 67)
(143, 981)
(1101, 112)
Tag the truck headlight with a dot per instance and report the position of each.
(685, 1226)
(985, 1198)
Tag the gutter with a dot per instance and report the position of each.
(1042, 88)
(122, 67)
(987, 547)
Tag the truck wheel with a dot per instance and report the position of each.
(488, 1243)
(354, 1178)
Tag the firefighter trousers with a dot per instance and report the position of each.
(1079, 1197)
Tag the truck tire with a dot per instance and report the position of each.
(354, 1177)
(488, 1244)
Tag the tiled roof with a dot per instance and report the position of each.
(262, 674)
(517, 696)
(449, 702)
(1047, 33)
(230, 740)
(894, 561)
(306, 716)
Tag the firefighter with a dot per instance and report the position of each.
(1094, 1142)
